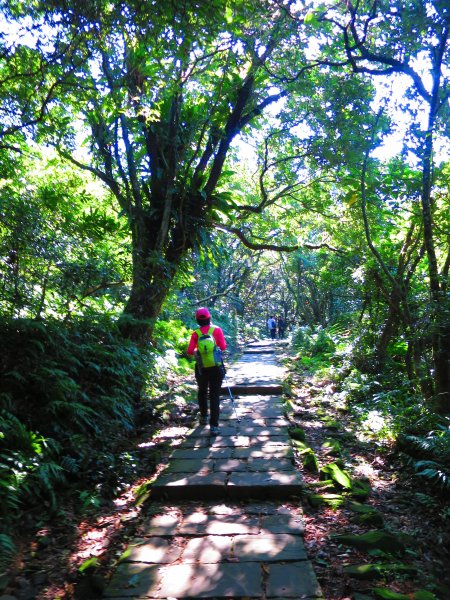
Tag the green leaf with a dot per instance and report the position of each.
(311, 18)
(337, 474)
(125, 555)
(386, 594)
(310, 461)
(228, 14)
(379, 570)
(90, 563)
(332, 446)
(372, 540)
(333, 500)
(297, 433)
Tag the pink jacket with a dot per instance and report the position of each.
(217, 335)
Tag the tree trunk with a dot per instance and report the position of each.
(440, 336)
(153, 273)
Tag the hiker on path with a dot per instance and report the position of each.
(272, 326)
(205, 342)
(281, 326)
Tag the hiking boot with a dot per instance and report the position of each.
(203, 420)
(214, 430)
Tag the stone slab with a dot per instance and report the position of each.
(135, 580)
(257, 387)
(151, 550)
(199, 523)
(264, 431)
(191, 465)
(229, 465)
(278, 422)
(184, 452)
(264, 439)
(232, 441)
(225, 429)
(225, 580)
(200, 442)
(266, 452)
(266, 412)
(189, 486)
(242, 411)
(264, 508)
(159, 525)
(264, 485)
(282, 523)
(185, 479)
(207, 549)
(249, 420)
(226, 509)
(292, 580)
(269, 463)
(267, 478)
(201, 453)
(271, 445)
(268, 547)
(228, 549)
(260, 401)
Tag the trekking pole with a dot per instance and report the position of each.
(231, 395)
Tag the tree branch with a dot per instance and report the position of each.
(267, 246)
(214, 297)
(111, 183)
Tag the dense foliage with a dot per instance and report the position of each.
(286, 158)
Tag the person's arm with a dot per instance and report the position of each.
(193, 343)
(220, 338)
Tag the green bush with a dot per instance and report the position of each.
(68, 392)
(430, 455)
(171, 335)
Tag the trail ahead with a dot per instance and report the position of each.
(225, 520)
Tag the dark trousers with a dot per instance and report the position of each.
(273, 333)
(209, 382)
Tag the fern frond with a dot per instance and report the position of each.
(7, 550)
(80, 414)
(9, 497)
(433, 473)
(70, 464)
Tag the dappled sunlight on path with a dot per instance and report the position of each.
(237, 529)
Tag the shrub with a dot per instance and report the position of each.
(67, 393)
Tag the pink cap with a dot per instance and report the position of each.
(202, 313)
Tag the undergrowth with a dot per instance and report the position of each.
(70, 395)
(385, 405)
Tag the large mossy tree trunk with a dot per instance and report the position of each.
(154, 269)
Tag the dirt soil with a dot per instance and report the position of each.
(68, 557)
(406, 505)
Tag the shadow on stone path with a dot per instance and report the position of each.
(248, 546)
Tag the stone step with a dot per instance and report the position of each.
(245, 547)
(231, 486)
(252, 457)
(217, 551)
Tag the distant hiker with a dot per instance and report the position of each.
(272, 326)
(281, 326)
(206, 344)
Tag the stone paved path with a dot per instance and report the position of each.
(225, 521)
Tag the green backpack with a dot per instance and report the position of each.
(210, 355)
